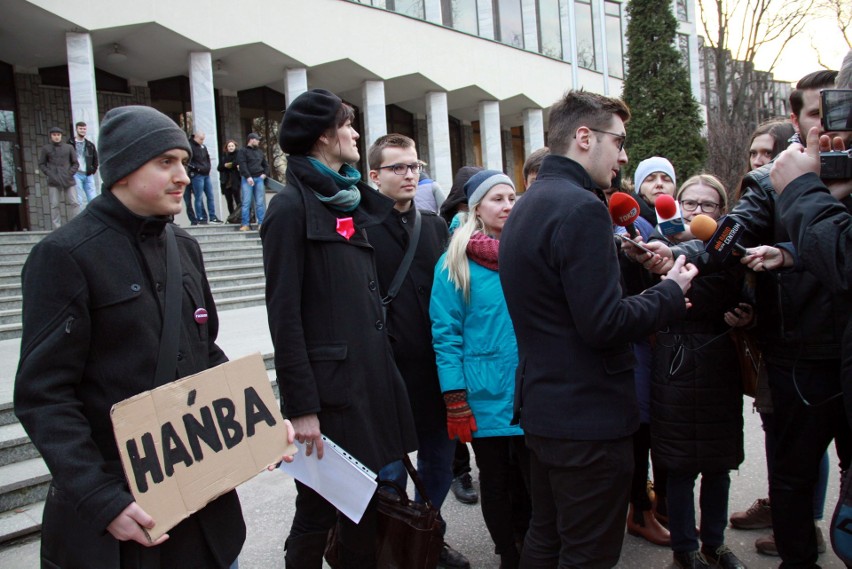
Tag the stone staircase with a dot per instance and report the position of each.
(234, 265)
(233, 259)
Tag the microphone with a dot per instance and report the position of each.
(669, 218)
(624, 211)
(721, 239)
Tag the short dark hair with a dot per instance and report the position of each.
(817, 80)
(392, 140)
(581, 108)
(533, 162)
(79, 123)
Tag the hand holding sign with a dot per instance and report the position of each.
(129, 524)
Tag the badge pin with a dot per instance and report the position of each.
(201, 316)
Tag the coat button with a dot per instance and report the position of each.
(159, 287)
(421, 290)
(135, 287)
(372, 285)
(405, 220)
(380, 325)
(180, 357)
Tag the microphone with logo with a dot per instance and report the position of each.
(722, 239)
(669, 218)
(624, 211)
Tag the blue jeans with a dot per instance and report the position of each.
(434, 466)
(85, 188)
(187, 200)
(257, 194)
(202, 185)
(714, 509)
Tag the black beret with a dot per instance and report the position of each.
(309, 116)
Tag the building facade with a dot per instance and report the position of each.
(470, 81)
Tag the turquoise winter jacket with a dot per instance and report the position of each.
(475, 347)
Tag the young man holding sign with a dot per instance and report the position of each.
(94, 297)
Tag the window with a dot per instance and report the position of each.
(585, 34)
(413, 8)
(682, 11)
(460, 15)
(614, 56)
(549, 28)
(508, 22)
(683, 47)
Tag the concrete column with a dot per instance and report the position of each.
(489, 134)
(438, 123)
(203, 101)
(433, 11)
(295, 83)
(567, 25)
(81, 79)
(529, 18)
(533, 130)
(375, 115)
(485, 14)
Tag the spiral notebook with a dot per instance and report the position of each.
(339, 478)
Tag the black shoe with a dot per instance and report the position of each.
(216, 221)
(723, 558)
(462, 487)
(690, 560)
(452, 559)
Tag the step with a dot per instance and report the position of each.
(11, 316)
(16, 256)
(233, 237)
(15, 445)
(240, 302)
(10, 289)
(244, 251)
(233, 269)
(9, 248)
(13, 279)
(22, 237)
(239, 291)
(7, 413)
(228, 261)
(22, 521)
(11, 303)
(237, 279)
(10, 331)
(23, 483)
(8, 267)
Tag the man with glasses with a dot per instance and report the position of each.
(395, 170)
(574, 392)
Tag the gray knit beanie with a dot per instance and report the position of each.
(131, 136)
(481, 182)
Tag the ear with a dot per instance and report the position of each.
(794, 118)
(583, 137)
(374, 177)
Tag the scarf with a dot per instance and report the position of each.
(482, 250)
(348, 195)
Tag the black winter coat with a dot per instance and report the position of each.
(90, 154)
(59, 163)
(230, 177)
(199, 162)
(332, 352)
(409, 326)
(560, 274)
(92, 342)
(696, 387)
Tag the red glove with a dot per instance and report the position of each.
(460, 420)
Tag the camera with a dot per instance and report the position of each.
(835, 114)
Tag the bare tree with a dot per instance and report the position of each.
(839, 11)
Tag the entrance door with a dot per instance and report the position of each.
(11, 191)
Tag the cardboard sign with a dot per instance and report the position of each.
(186, 443)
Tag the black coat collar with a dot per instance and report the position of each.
(554, 166)
(115, 214)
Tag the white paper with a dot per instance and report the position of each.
(339, 478)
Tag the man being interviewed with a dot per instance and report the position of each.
(574, 384)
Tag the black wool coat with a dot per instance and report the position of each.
(332, 351)
(409, 326)
(92, 342)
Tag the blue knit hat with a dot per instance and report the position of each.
(481, 182)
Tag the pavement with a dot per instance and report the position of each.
(268, 499)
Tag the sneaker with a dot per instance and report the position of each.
(244, 228)
(758, 516)
(690, 560)
(452, 559)
(216, 221)
(462, 487)
(723, 558)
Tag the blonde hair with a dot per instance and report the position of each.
(710, 181)
(456, 259)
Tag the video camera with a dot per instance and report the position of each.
(835, 113)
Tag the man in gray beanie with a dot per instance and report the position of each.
(94, 341)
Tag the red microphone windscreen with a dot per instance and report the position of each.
(623, 209)
(665, 206)
(702, 226)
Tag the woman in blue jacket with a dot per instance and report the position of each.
(477, 354)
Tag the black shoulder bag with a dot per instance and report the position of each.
(169, 337)
(393, 290)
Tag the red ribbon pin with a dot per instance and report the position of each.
(345, 227)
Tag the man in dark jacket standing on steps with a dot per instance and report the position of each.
(58, 162)
(251, 161)
(94, 341)
(199, 174)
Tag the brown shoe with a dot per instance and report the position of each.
(644, 525)
(758, 516)
(766, 545)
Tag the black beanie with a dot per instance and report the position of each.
(307, 118)
(131, 136)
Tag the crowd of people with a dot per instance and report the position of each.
(572, 350)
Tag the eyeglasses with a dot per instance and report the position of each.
(621, 138)
(706, 207)
(400, 169)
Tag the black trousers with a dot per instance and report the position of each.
(639, 484)
(809, 413)
(504, 488)
(579, 492)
